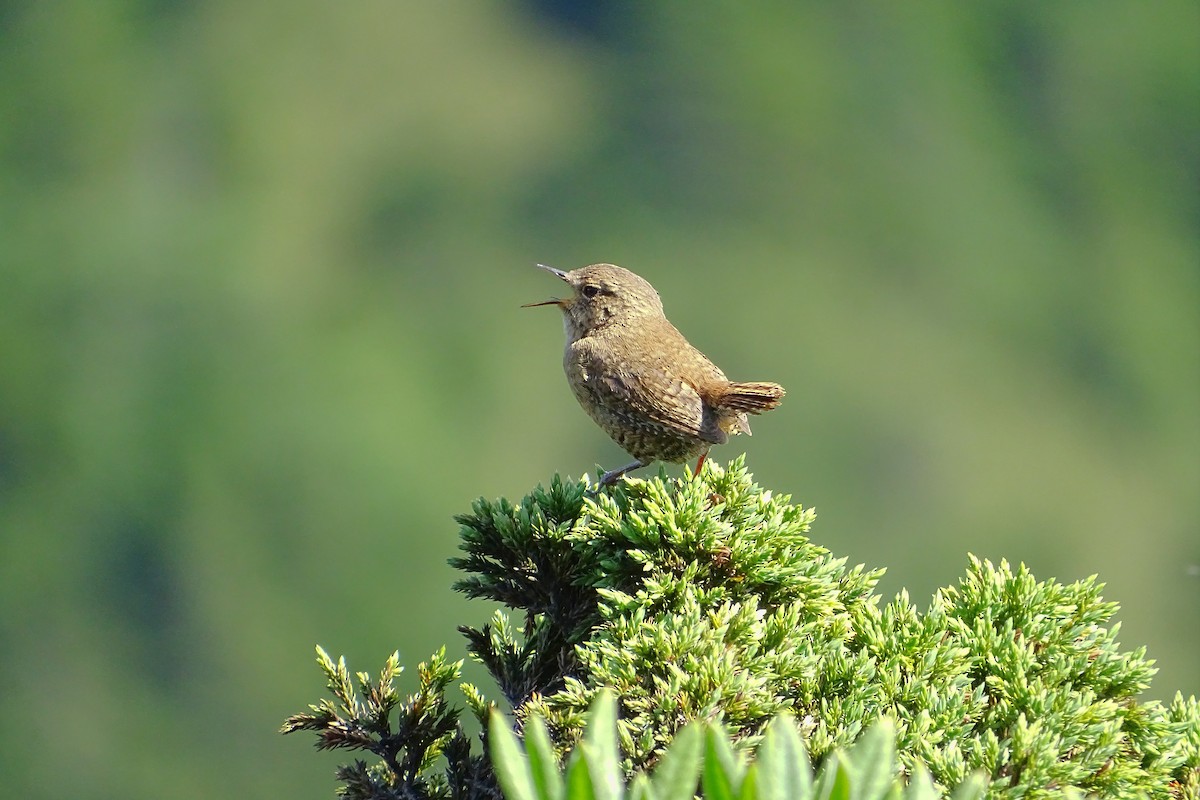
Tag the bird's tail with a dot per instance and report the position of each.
(753, 397)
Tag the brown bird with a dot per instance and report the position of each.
(657, 396)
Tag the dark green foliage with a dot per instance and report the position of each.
(425, 728)
(704, 600)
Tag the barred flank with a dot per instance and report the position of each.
(754, 397)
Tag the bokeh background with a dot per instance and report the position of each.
(260, 274)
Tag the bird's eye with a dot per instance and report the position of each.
(591, 290)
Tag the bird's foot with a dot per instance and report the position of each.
(610, 477)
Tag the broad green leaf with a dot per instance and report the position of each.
(920, 785)
(600, 748)
(749, 784)
(722, 774)
(870, 760)
(973, 788)
(783, 770)
(512, 768)
(843, 784)
(827, 775)
(641, 789)
(678, 772)
(578, 779)
(542, 761)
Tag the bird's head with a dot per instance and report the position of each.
(602, 295)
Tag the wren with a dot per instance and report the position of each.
(655, 394)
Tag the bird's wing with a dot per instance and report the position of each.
(676, 403)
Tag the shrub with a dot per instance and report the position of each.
(704, 599)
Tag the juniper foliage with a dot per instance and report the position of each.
(705, 599)
(409, 737)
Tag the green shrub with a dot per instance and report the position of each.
(704, 600)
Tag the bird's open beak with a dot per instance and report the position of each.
(558, 273)
(554, 301)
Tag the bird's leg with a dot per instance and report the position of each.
(612, 475)
(713, 497)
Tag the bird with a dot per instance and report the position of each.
(639, 379)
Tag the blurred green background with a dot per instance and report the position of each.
(260, 336)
